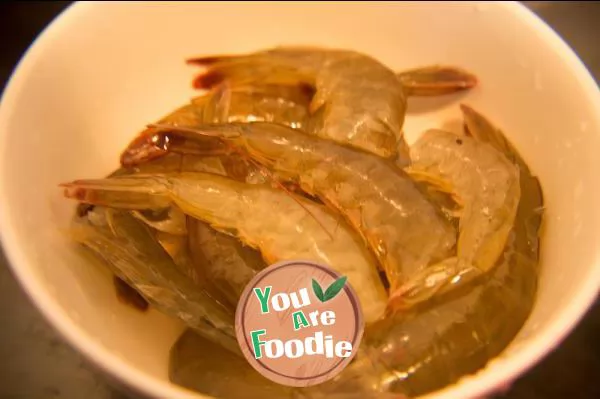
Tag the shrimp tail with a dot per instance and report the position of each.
(245, 70)
(214, 75)
(433, 80)
(436, 80)
(208, 80)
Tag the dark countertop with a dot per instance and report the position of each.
(37, 363)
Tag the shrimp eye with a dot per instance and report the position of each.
(459, 141)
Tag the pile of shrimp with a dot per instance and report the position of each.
(299, 153)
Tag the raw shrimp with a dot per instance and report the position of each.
(358, 101)
(283, 104)
(380, 201)
(130, 250)
(427, 349)
(215, 261)
(150, 147)
(287, 105)
(300, 229)
(487, 185)
(439, 342)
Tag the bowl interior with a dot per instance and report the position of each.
(102, 71)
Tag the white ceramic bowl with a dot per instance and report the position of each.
(101, 71)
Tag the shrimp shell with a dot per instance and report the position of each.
(130, 250)
(216, 262)
(487, 186)
(426, 349)
(358, 101)
(227, 263)
(456, 334)
(300, 229)
(279, 104)
(402, 227)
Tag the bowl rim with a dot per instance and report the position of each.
(497, 373)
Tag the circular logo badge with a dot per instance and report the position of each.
(299, 323)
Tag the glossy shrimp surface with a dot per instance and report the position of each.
(299, 153)
(486, 185)
(287, 105)
(426, 349)
(216, 262)
(284, 104)
(358, 101)
(457, 334)
(403, 229)
(298, 229)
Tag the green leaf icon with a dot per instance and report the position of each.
(335, 288)
(331, 292)
(318, 290)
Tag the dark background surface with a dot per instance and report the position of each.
(35, 362)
